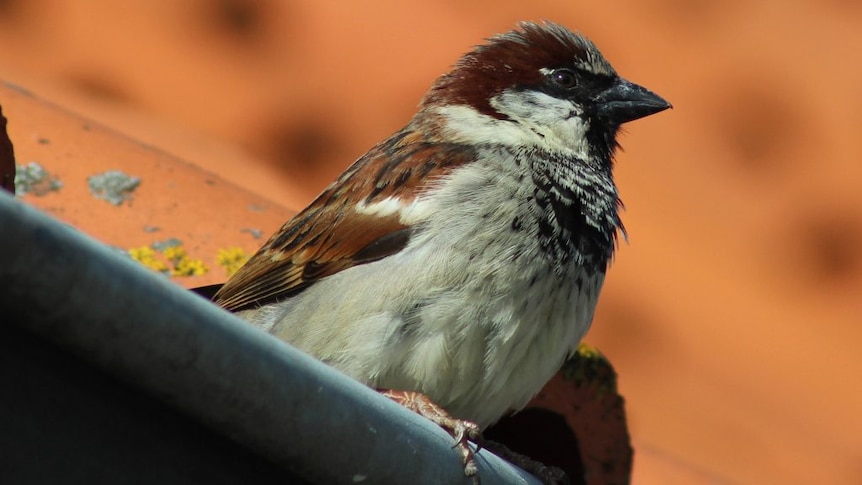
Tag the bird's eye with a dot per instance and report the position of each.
(564, 78)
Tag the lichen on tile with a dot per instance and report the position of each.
(167, 243)
(147, 256)
(232, 259)
(169, 258)
(33, 178)
(182, 264)
(113, 186)
(255, 233)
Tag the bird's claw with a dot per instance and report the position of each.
(461, 430)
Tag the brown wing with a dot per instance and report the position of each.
(329, 235)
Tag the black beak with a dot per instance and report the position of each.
(626, 101)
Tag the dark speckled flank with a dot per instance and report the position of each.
(579, 212)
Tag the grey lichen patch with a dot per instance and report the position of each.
(255, 233)
(113, 186)
(167, 243)
(32, 178)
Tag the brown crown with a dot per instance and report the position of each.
(513, 59)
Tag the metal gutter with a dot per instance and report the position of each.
(297, 413)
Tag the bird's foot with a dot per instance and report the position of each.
(463, 431)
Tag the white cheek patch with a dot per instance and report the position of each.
(534, 106)
(557, 123)
(536, 120)
(465, 124)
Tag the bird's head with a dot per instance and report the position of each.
(541, 85)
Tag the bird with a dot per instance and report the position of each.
(456, 264)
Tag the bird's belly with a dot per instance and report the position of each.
(479, 348)
(481, 361)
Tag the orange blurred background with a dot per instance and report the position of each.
(733, 313)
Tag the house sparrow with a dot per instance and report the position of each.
(462, 257)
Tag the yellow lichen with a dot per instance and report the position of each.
(231, 259)
(587, 351)
(188, 267)
(589, 367)
(172, 260)
(147, 257)
(175, 254)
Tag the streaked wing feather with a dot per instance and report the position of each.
(329, 235)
